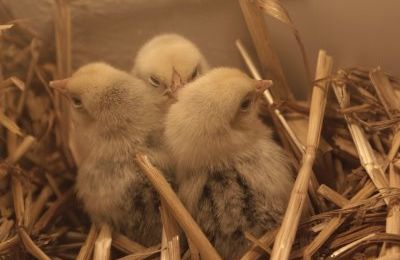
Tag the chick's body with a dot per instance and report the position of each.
(231, 175)
(115, 113)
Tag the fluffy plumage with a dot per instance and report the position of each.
(114, 115)
(231, 175)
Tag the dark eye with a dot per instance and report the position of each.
(76, 102)
(245, 104)
(195, 73)
(154, 81)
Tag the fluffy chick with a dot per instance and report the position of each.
(231, 175)
(115, 113)
(167, 61)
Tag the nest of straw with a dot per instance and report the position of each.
(347, 138)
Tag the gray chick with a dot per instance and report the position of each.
(231, 175)
(115, 112)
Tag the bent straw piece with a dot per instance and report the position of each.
(30, 246)
(10, 124)
(25, 145)
(276, 10)
(102, 246)
(364, 149)
(347, 247)
(287, 231)
(87, 248)
(335, 222)
(332, 196)
(182, 216)
(393, 218)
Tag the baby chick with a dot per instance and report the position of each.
(115, 112)
(231, 175)
(168, 61)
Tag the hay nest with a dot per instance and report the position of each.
(355, 214)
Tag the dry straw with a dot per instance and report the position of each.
(284, 240)
(364, 149)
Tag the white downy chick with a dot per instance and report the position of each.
(168, 61)
(115, 113)
(231, 175)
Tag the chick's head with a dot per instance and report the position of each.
(99, 93)
(216, 113)
(169, 61)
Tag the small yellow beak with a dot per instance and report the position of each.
(59, 85)
(262, 85)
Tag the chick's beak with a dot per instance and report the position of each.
(59, 85)
(262, 85)
(176, 83)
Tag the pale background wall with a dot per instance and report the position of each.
(354, 32)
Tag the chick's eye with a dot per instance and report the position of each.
(245, 104)
(154, 81)
(76, 102)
